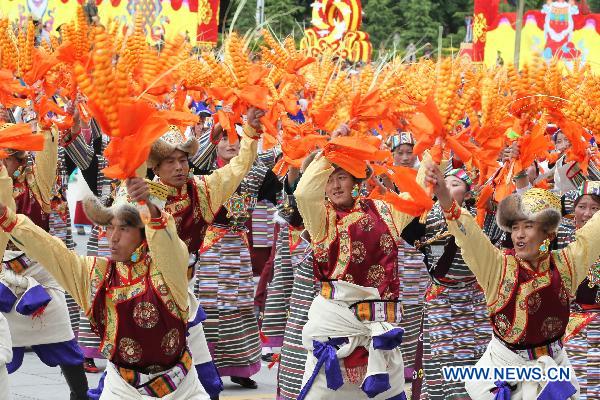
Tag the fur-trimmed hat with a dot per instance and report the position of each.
(173, 140)
(123, 207)
(535, 204)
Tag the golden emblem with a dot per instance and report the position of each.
(205, 12)
(479, 28)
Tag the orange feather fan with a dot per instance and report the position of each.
(19, 137)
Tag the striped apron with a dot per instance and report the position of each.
(288, 255)
(225, 289)
(293, 353)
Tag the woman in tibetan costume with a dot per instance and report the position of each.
(582, 340)
(32, 300)
(224, 285)
(455, 331)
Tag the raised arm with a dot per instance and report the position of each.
(206, 150)
(583, 252)
(6, 197)
(79, 151)
(170, 254)
(310, 197)
(71, 271)
(480, 255)
(44, 168)
(401, 220)
(223, 182)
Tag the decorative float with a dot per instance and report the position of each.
(336, 28)
(197, 19)
(560, 29)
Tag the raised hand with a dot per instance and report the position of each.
(435, 178)
(342, 130)
(254, 115)
(138, 190)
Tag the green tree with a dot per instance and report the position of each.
(380, 21)
(594, 6)
(419, 27)
(529, 5)
(282, 16)
(246, 20)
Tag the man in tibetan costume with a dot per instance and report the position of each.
(194, 201)
(136, 301)
(528, 290)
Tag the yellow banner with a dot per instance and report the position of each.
(163, 21)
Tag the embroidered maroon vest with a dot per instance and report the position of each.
(537, 310)
(29, 205)
(139, 323)
(364, 251)
(588, 297)
(187, 213)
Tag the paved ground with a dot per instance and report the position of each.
(36, 381)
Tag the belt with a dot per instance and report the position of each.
(162, 384)
(533, 353)
(378, 311)
(18, 264)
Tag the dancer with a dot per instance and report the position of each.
(527, 292)
(411, 269)
(355, 243)
(193, 207)
(136, 300)
(304, 290)
(86, 152)
(584, 325)
(224, 285)
(290, 250)
(455, 331)
(49, 334)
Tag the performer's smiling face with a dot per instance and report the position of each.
(225, 150)
(339, 188)
(458, 189)
(174, 169)
(123, 238)
(527, 237)
(585, 209)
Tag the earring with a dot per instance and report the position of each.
(545, 246)
(137, 254)
(18, 172)
(355, 191)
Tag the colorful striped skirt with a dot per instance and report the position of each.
(225, 289)
(584, 354)
(280, 289)
(293, 353)
(414, 280)
(456, 331)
